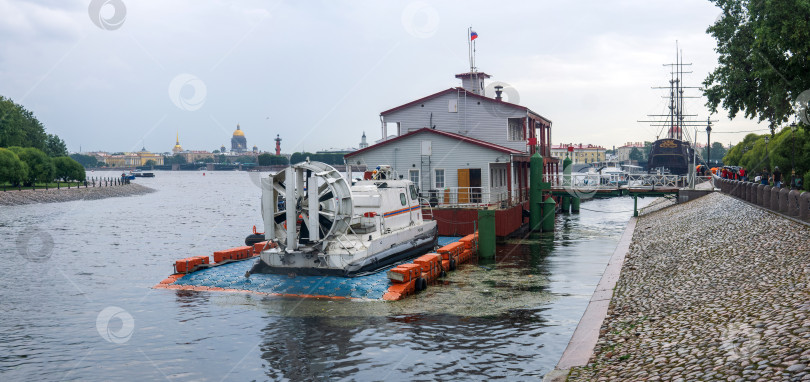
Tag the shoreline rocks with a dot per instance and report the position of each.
(712, 289)
(15, 198)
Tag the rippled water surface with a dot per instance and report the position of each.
(77, 303)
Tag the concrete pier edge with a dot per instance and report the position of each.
(583, 341)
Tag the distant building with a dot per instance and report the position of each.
(146, 156)
(623, 152)
(132, 159)
(580, 153)
(192, 156)
(238, 141)
(177, 148)
(363, 143)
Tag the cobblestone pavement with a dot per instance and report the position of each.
(712, 289)
(13, 197)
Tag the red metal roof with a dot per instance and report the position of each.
(462, 138)
(470, 94)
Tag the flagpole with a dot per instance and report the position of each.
(469, 48)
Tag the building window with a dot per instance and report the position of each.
(516, 129)
(438, 178)
(413, 175)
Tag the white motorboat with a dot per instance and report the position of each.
(324, 226)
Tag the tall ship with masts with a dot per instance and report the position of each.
(673, 154)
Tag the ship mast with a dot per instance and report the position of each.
(675, 121)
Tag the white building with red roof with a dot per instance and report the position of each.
(461, 138)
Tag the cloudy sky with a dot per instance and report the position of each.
(116, 75)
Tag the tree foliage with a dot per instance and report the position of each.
(67, 169)
(718, 151)
(328, 158)
(267, 159)
(763, 49)
(244, 159)
(55, 146)
(40, 166)
(784, 149)
(12, 169)
(88, 161)
(636, 155)
(174, 159)
(19, 127)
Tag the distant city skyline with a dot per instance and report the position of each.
(319, 74)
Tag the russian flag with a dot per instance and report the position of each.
(473, 35)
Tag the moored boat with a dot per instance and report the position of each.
(322, 225)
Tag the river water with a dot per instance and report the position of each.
(76, 301)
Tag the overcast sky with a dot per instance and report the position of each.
(114, 75)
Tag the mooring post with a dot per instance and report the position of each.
(535, 191)
(566, 204)
(567, 171)
(486, 233)
(635, 205)
(575, 204)
(549, 207)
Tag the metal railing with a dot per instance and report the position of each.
(476, 197)
(616, 181)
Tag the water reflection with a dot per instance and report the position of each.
(509, 316)
(402, 347)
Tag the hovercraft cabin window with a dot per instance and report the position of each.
(402, 199)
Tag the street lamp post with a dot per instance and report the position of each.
(709, 141)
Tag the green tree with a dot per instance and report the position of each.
(55, 146)
(763, 48)
(718, 151)
(245, 159)
(174, 159)
(150, 163)
(88, 161)
(67, 169)
(40, 166)
(265, 159)
(279, 160)
(19, 127)
(636, 155)
(221, 158)
(734, 155)
(12, 169)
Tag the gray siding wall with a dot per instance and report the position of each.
(447, 153)
(476, 118)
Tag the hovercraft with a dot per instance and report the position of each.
(322, 225)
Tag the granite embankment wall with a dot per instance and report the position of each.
(16, 197)
(793, 203)
(712, 289)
